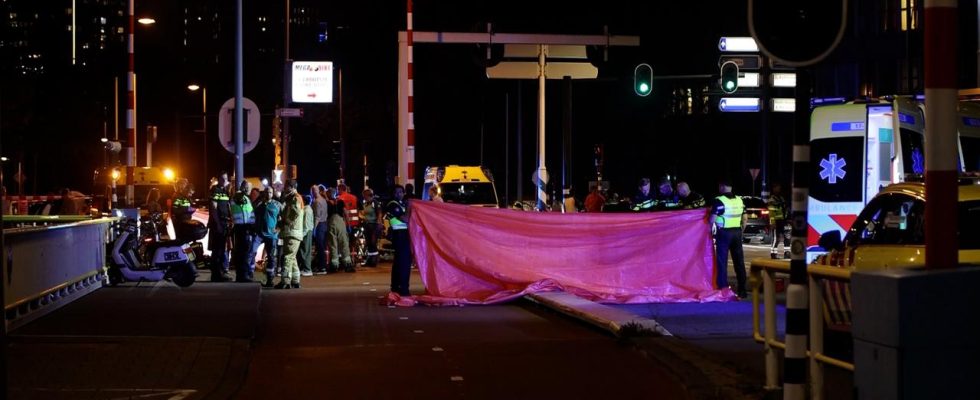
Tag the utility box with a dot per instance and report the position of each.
(917, 333)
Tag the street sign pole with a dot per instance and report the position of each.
(542, 171)
(239, 98)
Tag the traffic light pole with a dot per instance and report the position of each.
(764, 97)
(285, 97)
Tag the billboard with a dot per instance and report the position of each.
(312, 82)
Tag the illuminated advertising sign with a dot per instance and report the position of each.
(312, 81)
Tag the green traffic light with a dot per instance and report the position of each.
(730, 85)
(644, 87)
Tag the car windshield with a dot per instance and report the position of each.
(754, 202)
(468, 193)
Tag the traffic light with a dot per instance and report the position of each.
(643, 80)
(729, 77)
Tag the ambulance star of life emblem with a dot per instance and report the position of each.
(833, 168)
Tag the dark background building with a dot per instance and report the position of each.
(58, 99)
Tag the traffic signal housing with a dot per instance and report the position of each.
(643, 80)
(729, 77)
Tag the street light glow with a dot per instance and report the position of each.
(104, 140)
(193, 87)
(146, 21)
(4, 159)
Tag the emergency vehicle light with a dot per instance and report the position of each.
(820, 101)
(974, 122)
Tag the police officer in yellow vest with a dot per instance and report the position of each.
(243, 251)
(396, 211)
(777, 220)
(727, 211)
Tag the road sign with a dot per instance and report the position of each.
(754, 172)
(561, 61)
(731, 43)
(744, 61)
(225, 122)
(289, 112)
(739, 104)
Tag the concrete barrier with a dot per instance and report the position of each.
(46, 267)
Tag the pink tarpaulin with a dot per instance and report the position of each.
(472, 255)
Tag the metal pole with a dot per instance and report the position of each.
(941, 127)
(769, 305)
(410, 140)
(520, 140)
(794, 363)
(340, 92)
(816, 339)
(131, 109)
(285, 93)
(506, 149)
(766, 112)
(566, 143)
(115, 96)
(542, 170)
(239, 95)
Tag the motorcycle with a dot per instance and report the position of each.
(136, 258)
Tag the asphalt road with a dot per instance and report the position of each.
(333, 339)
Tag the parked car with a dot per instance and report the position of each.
(890, 233)
(755, 221)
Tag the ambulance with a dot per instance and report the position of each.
(470, 185)
(856, 149)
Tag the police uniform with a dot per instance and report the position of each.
(727, 210)
(243, 251)
(693, 200)
(396, 211)
(370, 210)
(777, 218)
(180, 212)
(219, 222)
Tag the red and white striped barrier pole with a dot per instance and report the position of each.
(941, 133)
(130, 110)
(410, 148)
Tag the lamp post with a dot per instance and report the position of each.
(131, 103)
(204, 122)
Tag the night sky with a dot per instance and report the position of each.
(55, 122)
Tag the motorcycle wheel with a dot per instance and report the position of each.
(184, 276)
(115, 277)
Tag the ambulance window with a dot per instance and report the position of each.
(890, 219)
(971, 152)
(913, 156)
(969, 225)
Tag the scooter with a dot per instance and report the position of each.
(171, 260)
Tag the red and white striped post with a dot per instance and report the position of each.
(941, 133)
(410, 144)
(130, 110)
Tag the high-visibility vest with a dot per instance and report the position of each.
(777, 207)
(732, 218)
(242, 213)
(395, 221)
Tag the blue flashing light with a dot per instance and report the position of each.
(906, 119)
(846, 126)
(973, 122)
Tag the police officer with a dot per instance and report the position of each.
(181, 210)
(396, 211)
(777, 219)
(644, 201)
(727, 211)
(219, 227)
(688, 199)
(666, 199)
(243, 216)
(370, 213)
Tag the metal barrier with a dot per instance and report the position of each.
(765, 270)
(47, 267)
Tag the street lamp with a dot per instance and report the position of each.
(146, 21)
(204, 121)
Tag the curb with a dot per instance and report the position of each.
(702, 375)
